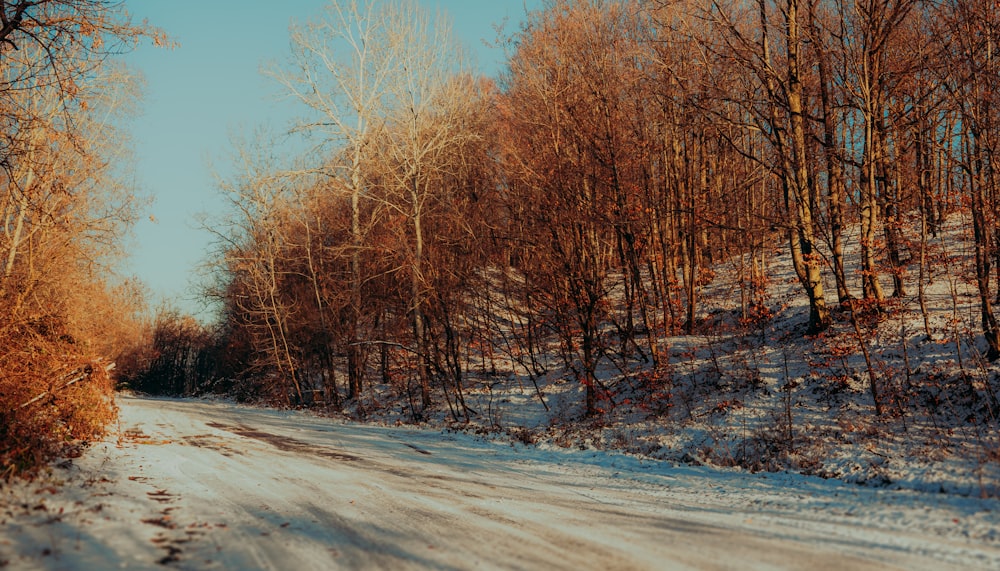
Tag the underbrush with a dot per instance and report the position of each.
(51, 400)
(889, 395)
(895, 392)
(774, 400)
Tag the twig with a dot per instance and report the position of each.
(86, 372)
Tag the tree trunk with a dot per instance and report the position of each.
(416, 301)
(869, 214)
(983, 247)
(834, 163)
(355, 356)
(805, 195)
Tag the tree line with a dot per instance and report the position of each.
(570, 212)
(65, 204)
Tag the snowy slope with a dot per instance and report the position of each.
(763, 396)
(201, 485)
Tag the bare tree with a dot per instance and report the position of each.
(255, 259)
(969, 33)
(767, 41)
(341, 67)
(432, 113)
(560, 193)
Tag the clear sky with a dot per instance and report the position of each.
(209, 86)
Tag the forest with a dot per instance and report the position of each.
(446, 233)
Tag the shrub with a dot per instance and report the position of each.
(50, 399)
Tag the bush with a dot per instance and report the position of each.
(50, 399)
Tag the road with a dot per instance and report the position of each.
(203, 485)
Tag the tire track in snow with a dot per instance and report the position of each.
(235, 488)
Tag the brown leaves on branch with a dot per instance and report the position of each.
(63, 209)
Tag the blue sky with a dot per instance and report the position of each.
(210, 86)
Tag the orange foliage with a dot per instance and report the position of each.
(50, 398)
(63, 208)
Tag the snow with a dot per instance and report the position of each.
(214, 485)
(729, 395)
(689, 468)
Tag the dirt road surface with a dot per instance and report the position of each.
(203, 485)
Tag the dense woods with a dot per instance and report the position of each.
(564, 219)
(569, 215)
(63, 208)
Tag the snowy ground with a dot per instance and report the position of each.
(202, 485)
(763, 396)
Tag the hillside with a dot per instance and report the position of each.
(764, 396)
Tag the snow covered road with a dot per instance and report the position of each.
(202, 485)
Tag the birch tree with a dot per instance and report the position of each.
(341, 67)
(432, 113)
